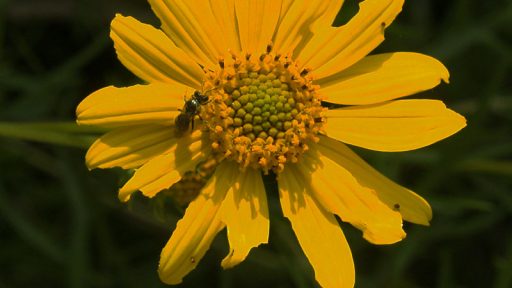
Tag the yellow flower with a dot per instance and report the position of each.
(269, 68)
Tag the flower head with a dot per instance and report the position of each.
(266, 71)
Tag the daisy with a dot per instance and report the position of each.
(268, 69)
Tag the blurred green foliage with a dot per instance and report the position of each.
(62, 226)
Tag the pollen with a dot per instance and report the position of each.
(263, 110)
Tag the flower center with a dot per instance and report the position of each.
(262, 110)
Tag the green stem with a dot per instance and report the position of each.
(61, 133)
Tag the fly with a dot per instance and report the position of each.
(190, 110)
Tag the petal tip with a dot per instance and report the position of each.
(90, 164)
(124, 194)
(446, 78)
(168, 279)
(386, 236)
(119, 16)
(229, 261)
(445, 74)
(459, 121)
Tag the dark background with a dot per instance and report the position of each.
(62, 226)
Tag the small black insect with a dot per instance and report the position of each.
(396, 207)
(191, 108)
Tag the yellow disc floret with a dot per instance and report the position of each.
(262, 110)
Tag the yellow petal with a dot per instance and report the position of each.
(163, 171)
(135, 105)
(340, 193)
(399, 125)
(196, 231)
(192, 26)
(328, 15)
(318, 233)
(130, 147)
(257, 22)
(412, 207)
(383, 77)
(333, 50)
(245, 213)
(224, 13)
(151, 55)
(298, 20)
